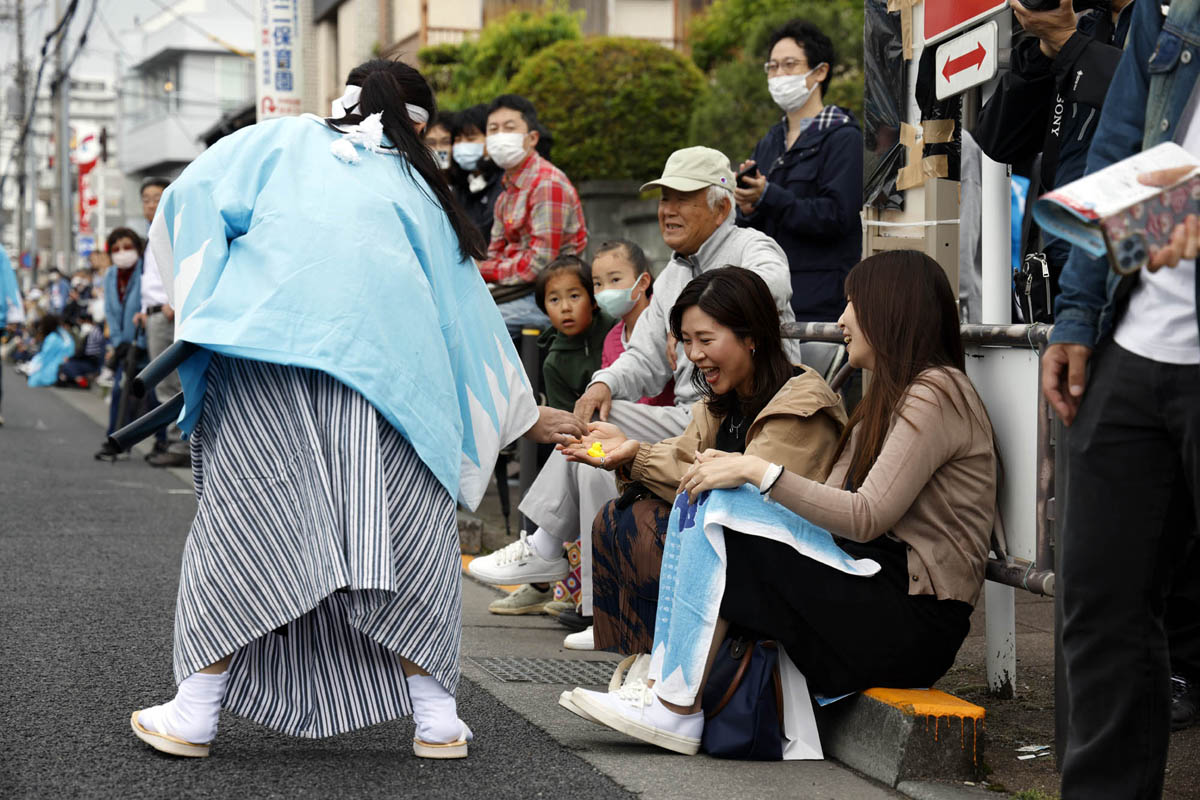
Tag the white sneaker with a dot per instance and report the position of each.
(583, 640)
(637, 712)
(631, 673)
(518, 563)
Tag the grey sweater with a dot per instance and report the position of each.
(643, 370)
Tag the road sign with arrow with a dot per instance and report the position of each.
(966, 61)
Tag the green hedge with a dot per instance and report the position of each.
(476, 71)
(617, 106)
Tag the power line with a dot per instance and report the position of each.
(240, 9)
(199, 29)
(72, 7)
(66, 71)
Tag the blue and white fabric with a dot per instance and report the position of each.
(11, 308)
(274, 249)
(120, 313)
(56, 348)
(322, 551)
(692, 581)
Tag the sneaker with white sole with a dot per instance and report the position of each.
(522, 600)
(631, 673)
(583, 640)
(637, 712)
(518, 563)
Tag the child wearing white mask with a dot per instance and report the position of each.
(476, 181)
(623, 283)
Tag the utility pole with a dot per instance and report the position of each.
(22, 99)
(64, 245)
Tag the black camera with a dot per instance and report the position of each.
(1079, 5)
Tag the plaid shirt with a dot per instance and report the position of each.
(538, 218)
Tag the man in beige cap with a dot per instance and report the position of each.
(695, 216)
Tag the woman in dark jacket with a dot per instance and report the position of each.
(805, 190)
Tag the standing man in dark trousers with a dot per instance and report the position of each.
(1123, 370)
(159, 320)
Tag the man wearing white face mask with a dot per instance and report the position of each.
(538, 216)
(804, 186)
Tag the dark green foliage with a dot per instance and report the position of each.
(477, 71)
(617, 106)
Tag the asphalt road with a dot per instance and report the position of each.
(89, 565)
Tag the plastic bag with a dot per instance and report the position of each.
(883, 105)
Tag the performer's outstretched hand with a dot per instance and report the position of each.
(555, 426)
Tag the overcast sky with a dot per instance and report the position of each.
(115, 20)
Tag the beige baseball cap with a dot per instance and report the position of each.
(695, 168)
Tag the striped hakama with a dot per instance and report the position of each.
(323, 549)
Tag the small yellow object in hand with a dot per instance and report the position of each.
(596, 450)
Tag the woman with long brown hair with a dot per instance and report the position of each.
(913, 488)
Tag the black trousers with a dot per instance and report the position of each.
(1134, 452)
(844, 632)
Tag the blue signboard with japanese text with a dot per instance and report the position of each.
(278, 59)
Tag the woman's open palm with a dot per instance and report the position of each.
(617, 448)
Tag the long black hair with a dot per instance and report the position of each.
(740, 300)
(386, 87)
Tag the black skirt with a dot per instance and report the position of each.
(845, 633)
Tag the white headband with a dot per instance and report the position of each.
(349, 99)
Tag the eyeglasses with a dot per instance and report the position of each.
(789, 66)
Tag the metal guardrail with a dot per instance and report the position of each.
(1037, 576)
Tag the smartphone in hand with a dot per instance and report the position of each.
(750, 171)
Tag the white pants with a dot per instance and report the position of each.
(566, 496)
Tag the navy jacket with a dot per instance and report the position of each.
(811, 208)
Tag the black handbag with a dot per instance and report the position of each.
(743, 702)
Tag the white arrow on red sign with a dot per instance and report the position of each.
(965, 61)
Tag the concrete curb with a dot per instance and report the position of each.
(904, 736)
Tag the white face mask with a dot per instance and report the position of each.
(791, 92)
(125, 258)
(619, 302)
(506, 149)
(468, 154)
(442, 157)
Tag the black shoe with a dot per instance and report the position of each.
(573, 620)
(1185, 702)
(169, 459)
(158, 449)
(108, 452)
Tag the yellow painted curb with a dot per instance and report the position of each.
(927, 703)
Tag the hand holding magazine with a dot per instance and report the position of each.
(1110, 212)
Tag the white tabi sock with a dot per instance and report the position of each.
(546, 544)
(435, 712)
(663, 718)
(193, 714)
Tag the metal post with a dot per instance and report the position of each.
(527, 450)
(996, 302)
(63, 244)
(22, 99)
(31, 182)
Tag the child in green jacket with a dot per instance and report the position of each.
(565, 293)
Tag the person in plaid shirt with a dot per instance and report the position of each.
(538, 215)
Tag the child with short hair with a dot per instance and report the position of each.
(564, 292)
(623, 285)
